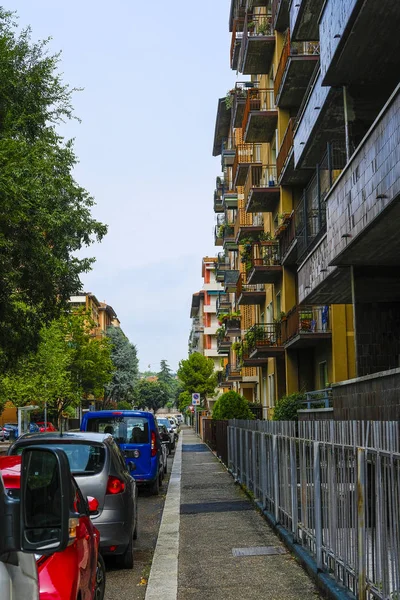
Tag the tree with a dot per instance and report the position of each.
(286, 407)
(67, 365)
(165, 374)
(126, 373)
(197, 375)
(232, 405)
(45, 215)
(150, 395)
(185, 400)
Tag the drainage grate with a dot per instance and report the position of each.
(194, 448)
(258, 551)
(213, 507)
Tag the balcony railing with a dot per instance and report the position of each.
(249, 294)
(258, 35)
(264, 335)
(310, 214)
(245, 154)
(307, 320)
(287, 237)
(291, 49)
(286, 146)
(233, 372)
(224, 342)
(223, 304)
(237, 36)
(266, 254)
(259, 100)
(318, 399)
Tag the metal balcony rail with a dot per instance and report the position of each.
(307, 320)
(287, 237)
(245, 153)
(292, 49)
(258, 100)
(221, 220)
(262, 335)
(237, 34)
(222, 260)
(227, 144)
(286, 146)
(223, 340)
(263, 176)
(232, 371)
(223, 303)
(310, 213)
(260, 25)
(232, 323)
(243, 287)
(266, 255)
(318, 399)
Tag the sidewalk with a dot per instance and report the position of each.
(213, 544)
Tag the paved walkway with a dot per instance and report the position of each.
(213, 544)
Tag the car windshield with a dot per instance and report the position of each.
(163, 422)
(84, 459)
(126, 430)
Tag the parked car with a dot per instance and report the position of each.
(100, 471)
(175, 427)
(13, 432)
(137, 434)
(165, 451)
(45, 426)
(179, 418)
(4, 434)
(54, 550)
(171, 434)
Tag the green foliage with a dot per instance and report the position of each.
(185, 400)
(197, 375)
(67, 365)
(232, 405)
(124, 405)
(126, 373)
(286, 407)
(45, 215)
(150, 395)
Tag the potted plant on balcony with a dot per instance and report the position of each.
(251, 26)
(263, 27)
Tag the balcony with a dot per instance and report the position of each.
(310, 213)
(222, 125)
(233, 326)
(223, 304)
(239, 97)
(288, 242)
(248, 225)
(228, 153)
(230, 199)
(249, 295)
(280, 14)
(260, 116)
(236, 42)
(246, 155)
(233, 372)
(295, 69)
(218, 195)
(304, 17)
(223, 265)
(264, 340)
(258, 44)
(231, 280)
(306, 326)
(219, 230)
(222, 379)
(229, 241)
(263, 194)
(224, 342)
(265, 266)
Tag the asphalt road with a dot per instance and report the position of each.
(130, 584)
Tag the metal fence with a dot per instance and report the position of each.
(335, 486)
(215, 435)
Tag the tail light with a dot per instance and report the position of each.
(153, 444)
(115, 486)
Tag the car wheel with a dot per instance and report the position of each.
(100, 585)
(126, 559)
(155, 486)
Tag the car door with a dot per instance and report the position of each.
(86, 548)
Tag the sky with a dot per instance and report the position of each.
(151, 74)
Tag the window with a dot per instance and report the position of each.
(323, 375)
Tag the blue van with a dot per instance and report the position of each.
(137, 435)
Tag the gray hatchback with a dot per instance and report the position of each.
(100, 470)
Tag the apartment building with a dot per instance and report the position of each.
(291, 199)
(101, 313)
(205, 328)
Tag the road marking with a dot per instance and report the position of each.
(163, 580)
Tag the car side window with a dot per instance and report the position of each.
(120, 460)
(80, 506)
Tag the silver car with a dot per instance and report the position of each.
(100, 470)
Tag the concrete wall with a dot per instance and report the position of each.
(374, 397)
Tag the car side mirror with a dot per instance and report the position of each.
(46, 500)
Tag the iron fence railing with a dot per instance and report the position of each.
(291, 49)
(307, 320)
(335, 487)
(263, 335)
(287, 237)
(285, 148)
(223, 303)
(265, 254)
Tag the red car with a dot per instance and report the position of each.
(42, 427)
(78, 572)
